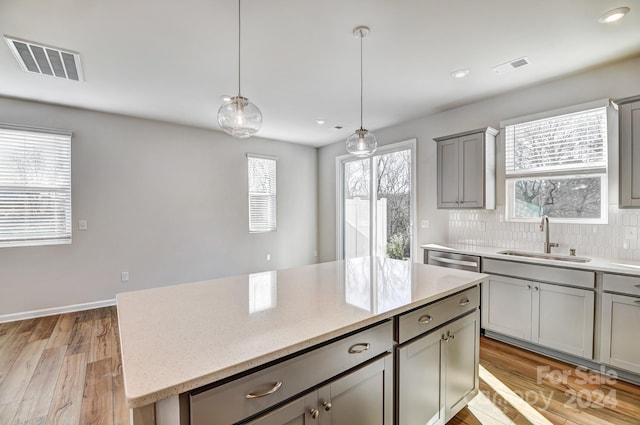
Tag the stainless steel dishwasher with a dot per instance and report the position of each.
(452, 260)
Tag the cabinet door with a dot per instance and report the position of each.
(471, 186)
(460, 363)
(361, 397)
(301, 411)
(448, 174)
(506, 306)
(563, 318)
(420, 383)
(620, 318)
(630, 154)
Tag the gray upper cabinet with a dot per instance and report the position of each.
(629, 114)
(466, 169)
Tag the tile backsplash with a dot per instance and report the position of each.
(618, 239)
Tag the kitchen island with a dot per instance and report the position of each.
(179, 339)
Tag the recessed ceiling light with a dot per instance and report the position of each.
(338, 127)
(460, 73)
(613, 15)
(320, 121)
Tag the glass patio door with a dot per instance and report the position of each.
(377, 203)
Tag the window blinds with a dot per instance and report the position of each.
(35, 187)
(562, 144)
(262, 194)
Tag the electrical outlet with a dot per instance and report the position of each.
(124, 277)
(424, 224)
(630, 233)
(82, 224)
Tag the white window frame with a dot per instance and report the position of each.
(17, 228)
(270, 224)
(577, 172)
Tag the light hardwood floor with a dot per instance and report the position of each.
(66, 370)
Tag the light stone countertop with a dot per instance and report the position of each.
(178, 338)
(597, 264)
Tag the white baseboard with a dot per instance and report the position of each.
(55, 310)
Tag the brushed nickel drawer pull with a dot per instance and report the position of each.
(314, 413)
(445, 338)
(637, 301)
(425, 319)
(327, 405)
(273, 389)
(637, 286)
(464, 302)
(359, 348)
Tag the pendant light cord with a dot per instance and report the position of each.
(239, 44)
(361, 84)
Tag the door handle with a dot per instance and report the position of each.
(359, 348)
(273, 389)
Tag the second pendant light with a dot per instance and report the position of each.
(362, 143)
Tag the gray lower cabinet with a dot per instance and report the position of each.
(619, 322)
(361, 397)
(466, 169)
(438, 371)
(554, 316)
(629, 116)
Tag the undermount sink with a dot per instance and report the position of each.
(542, 256)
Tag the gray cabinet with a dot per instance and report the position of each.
(629, 116)
(466, 169)
(554, 316)
(260, 391)
(620, 317)
(438, 370)
(364, 396)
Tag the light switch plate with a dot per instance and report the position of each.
(82, 224)
(424, 224)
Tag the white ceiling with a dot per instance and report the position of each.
(171, 60)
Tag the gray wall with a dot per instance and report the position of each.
(614, 81)
(166, 203)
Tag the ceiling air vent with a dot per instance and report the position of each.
(46, 60)
(511, 65)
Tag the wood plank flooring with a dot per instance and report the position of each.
(66, 370)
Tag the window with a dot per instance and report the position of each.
(35, 186)
(557, 166)
(262, 193)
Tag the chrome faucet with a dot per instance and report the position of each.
(547, 245)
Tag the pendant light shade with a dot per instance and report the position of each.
(362, 143)
(237, 116)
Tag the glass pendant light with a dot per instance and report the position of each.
(362, 143)
(237, 116)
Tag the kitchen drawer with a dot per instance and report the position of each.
(228, 403)
(622, 284)
(540, 273)
(433, 315)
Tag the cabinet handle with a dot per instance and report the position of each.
(425, 319)
(464, 302)
(359, 348)
(637, 301)
(273, 389)
(445, 338)
(535, 288)
(637, 286)
(326, 405)
(528, 287)
(314, 413)
(448, 336)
